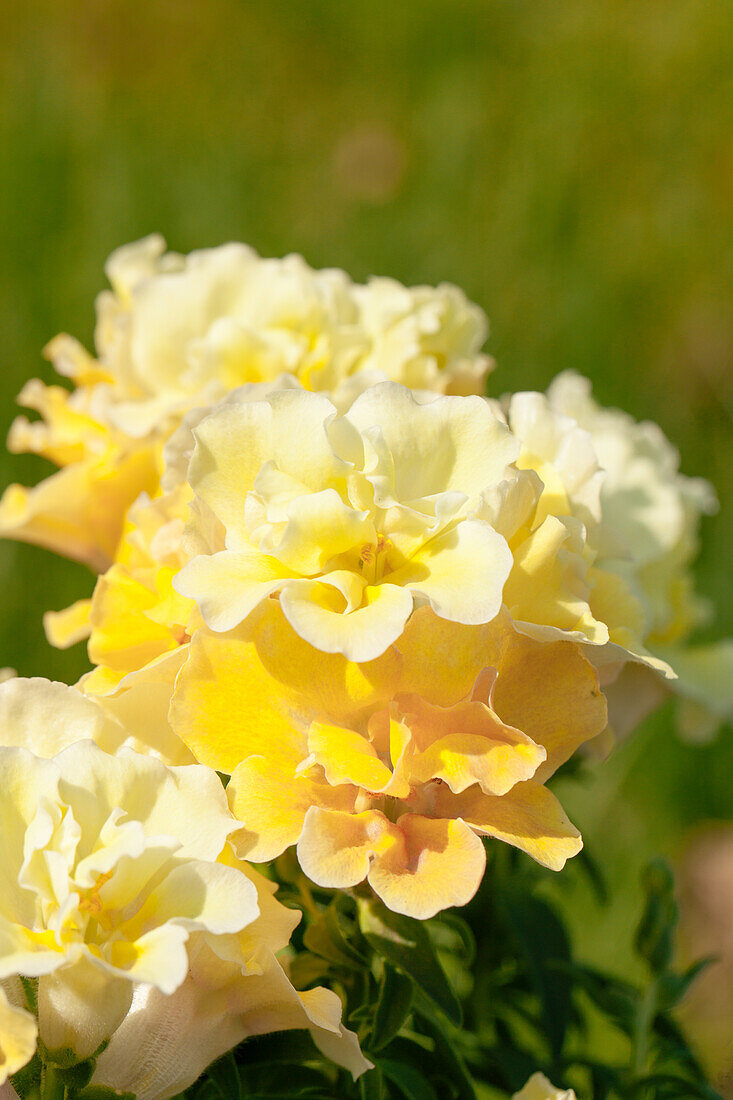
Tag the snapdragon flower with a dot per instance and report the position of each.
(393, 769)
(175, 332)
(119, 880)
(646, 545)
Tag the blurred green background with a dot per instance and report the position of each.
(568, 164)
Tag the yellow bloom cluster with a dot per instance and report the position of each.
(176, 332)
(386, 607)
(649, 539)
(125, 910)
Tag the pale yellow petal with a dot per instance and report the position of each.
(316, 612)
(18, 1036)
(272, 803)
(550, 691)
(80, 1006)
(66, 628)
(548, 584)
(540, 1087)
(347, 757)
(528, 817)
(441, 659)
(448, 444)
(461, 572)
(79, 511)
(229, 585)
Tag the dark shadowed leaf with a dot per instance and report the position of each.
(405, 944)
(410, 1081)
(543, 941)
(393, 1007)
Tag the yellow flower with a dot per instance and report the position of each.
(176, 332)
(645, 548)
(122, 896)
(136, 617)
(165, 1043)
(571, 534)
(78, 512)
(540, 1088)
(350, 519)
(390, 770)
(18, 1035)
(110, 863)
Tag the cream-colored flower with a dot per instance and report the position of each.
(165, 1043)
(177, 332)
(18, 1036)
(109, 864)
(119, 878)
(349, 519)
(645, 547)
(571, 532)
(540, 1088)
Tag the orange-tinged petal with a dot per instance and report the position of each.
(529, 817)
(336, 849)
(438, 864)
(272, 802)
(467, 744)
(461, 760)
(441, 659)
(550, 692)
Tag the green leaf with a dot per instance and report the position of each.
(655, 933)
(307, 970)
(224, 1078)
(289, 1047)
(27, 1078)
(451, 1063)
(411, 1083)
(617, 999)
(682, 1087)
(393, 1007)
(325, 937)
(405, 944)
(451, 933)
(672, 987)
(102, 1092)
(544, 943)
(371, 1085)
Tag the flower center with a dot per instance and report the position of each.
(92, 903)
(373, 558)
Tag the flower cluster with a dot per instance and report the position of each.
(124, 908)
(385, 608)
(175, 332)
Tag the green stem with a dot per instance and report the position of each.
(52, 1085)
(30, 988)
(644, 1020)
